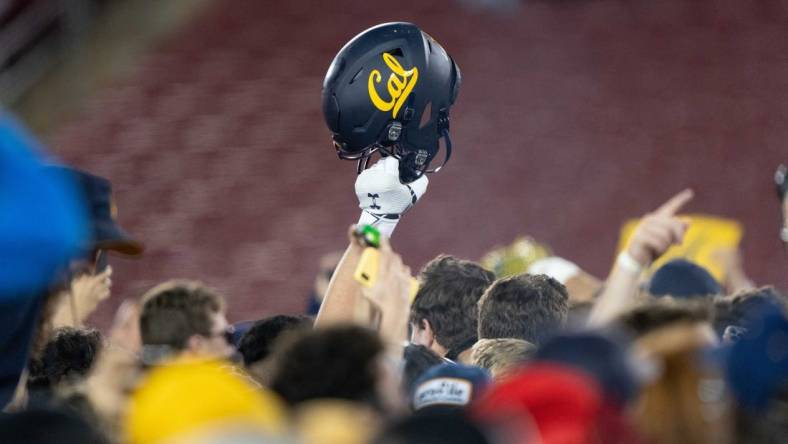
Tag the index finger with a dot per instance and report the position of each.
(675, 203)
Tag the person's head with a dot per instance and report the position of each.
(501, 356)
(449, 387)
(686, 401)
(43, 226)
(66, 358)
(433, 428)
(47, 426)
(603, 355)
(340, 362)
(757, 373)
(416, 359)
(564, 404)
(106, 233)
(186, 399)
(183, 316)
(757, 364)
(443, 316)
(657, 313)
(528, 307)
(734, 311)
(681, 278)
(259, 341)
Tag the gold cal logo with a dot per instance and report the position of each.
(399, 85)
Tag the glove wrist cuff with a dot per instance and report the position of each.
(385, 223)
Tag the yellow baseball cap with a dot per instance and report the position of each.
(186, 396)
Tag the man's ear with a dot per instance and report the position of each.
(427, 327)
(422, 334)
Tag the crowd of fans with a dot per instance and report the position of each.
(539, 352)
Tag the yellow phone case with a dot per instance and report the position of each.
(367, 269)
(366, 272)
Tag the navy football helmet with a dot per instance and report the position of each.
(389, 90)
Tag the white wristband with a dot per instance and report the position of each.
(384, 225)
(628, 263)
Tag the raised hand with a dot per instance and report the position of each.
(391, 294)
(652, 237)
(392, 289)
(383, 198)
(659, 230)
(88, 291)
(80, 300)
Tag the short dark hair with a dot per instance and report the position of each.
(448, 294)
(332, 362)
(417, 359)
(526, 306)
(174, 311)
(67, 357)
(657, 313)
(258, 342)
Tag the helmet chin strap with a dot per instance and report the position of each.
(443, 130)
(447, 149)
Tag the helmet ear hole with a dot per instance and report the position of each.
(426, 116)
(396, 52)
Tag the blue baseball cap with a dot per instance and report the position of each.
(449, 386)
(757, 364)
(602, 355)
(683, 279)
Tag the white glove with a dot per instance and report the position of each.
(381, 196)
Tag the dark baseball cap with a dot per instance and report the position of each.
(106, 234)
(449, 386)
(757, 364)
(602, 355)
(683, 279)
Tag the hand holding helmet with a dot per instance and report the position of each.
(383, 198)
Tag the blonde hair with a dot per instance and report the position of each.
(502, 355)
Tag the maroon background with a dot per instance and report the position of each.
(573, 116)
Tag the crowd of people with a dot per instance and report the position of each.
(520, 347)
(516, 354)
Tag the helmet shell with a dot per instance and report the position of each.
(392, 72)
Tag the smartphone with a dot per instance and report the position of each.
(367, 269)
(100, 261)
(366, 272)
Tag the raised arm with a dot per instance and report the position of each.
(343, 291)
(652, 237)
(383, 199)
